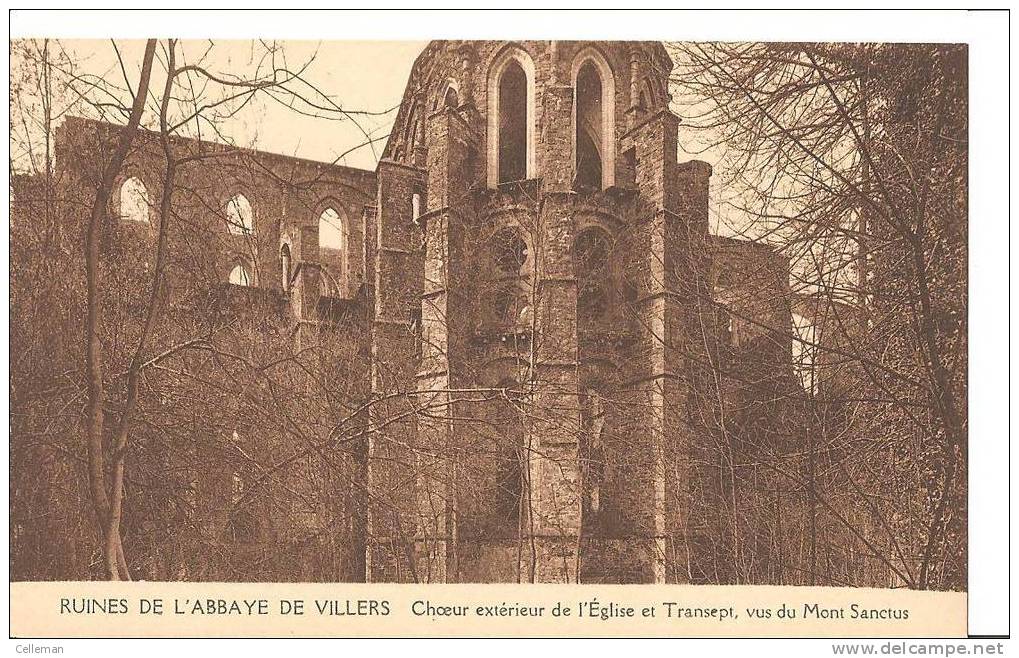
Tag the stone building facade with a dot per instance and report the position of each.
(540, 246)
(541, 332)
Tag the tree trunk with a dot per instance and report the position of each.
(115, 562)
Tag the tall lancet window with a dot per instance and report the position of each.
(590, 128)
(134, 201)
(510, 130)
(594, 122)
(239, 218)
(512, 123)
(331, 248)
(330, 230)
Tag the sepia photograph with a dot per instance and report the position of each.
(480, 311)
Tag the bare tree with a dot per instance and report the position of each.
(125, 330)
(851, 160)
(828, 450)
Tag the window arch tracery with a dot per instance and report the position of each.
(594, 136)
(511, 116)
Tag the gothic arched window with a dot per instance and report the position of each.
(134, 201)
(512, 124)
(594, 122)
(589, 129)
(240, 275)
(330, 230)
(511, 118)
(239, 218)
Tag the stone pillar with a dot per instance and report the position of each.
(368, 240)
(690, 314)
(556, 140)
(303, 296)
(554, 520)
(671, 244)
(305, 282)
(447, 150)
(395, 293)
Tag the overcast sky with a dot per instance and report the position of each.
(360, 76)
(356, 75)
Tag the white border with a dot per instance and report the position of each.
(987, 34)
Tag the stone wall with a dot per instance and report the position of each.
(611, 416)
(283, 192)
(206, 420)
(509, 414)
